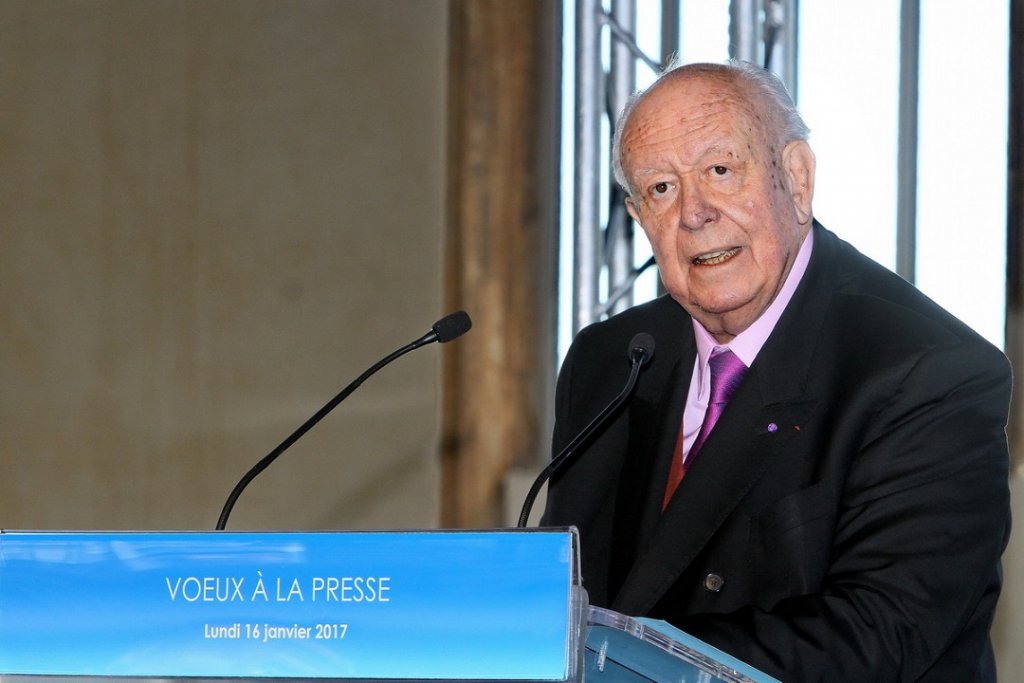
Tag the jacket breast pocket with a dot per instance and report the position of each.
(792, 544)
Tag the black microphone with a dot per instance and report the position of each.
(444, 330)
(641, 348)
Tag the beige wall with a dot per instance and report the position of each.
(213, 215)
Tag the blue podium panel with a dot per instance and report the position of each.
(452, 605)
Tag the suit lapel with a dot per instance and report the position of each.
(748, 438)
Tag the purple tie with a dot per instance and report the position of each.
(726, 373)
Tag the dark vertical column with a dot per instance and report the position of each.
(1015, 222)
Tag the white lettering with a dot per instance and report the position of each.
(351, 588)
(206, 588)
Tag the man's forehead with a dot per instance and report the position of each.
(703, 109)
(710, 121)
(699, 127)
(692, 96)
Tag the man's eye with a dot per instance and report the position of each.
(659, 188)
(719, 170)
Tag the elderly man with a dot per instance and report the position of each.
(812, 472)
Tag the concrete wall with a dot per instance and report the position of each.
(213, 216)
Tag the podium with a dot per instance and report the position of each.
(502, 605)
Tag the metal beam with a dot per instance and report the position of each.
(587, 256)
(621, 84)
(906, 161)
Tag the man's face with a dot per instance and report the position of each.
(724, 208)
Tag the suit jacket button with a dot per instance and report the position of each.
(714, 582)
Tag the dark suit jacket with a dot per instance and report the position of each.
(845, 518)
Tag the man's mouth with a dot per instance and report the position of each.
(716, 257)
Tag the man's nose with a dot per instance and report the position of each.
(695, 208)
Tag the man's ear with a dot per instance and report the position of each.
(798, 162)
(631, 208)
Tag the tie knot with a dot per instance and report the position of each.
(727, 371)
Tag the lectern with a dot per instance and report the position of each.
(503, 605)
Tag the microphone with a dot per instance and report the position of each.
(450, 327)
(641, 349)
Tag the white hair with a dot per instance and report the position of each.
(763, 83)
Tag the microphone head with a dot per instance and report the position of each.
(452, 326)
(641, 347)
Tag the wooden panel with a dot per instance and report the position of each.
(499, 252)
